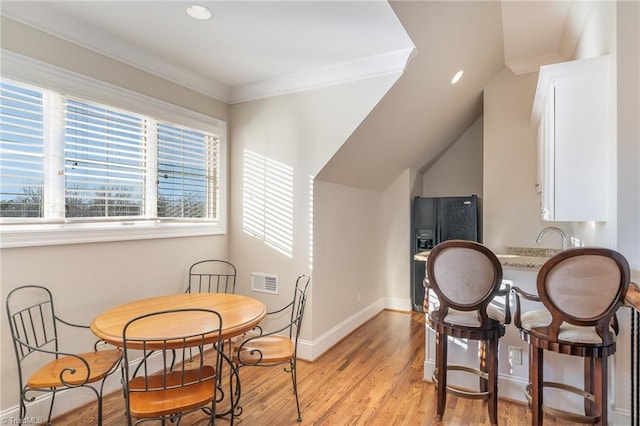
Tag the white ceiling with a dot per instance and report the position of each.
(248, 49)
(261, 48)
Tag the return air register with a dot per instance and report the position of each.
(264, 283)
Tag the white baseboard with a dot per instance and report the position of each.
(311, 350)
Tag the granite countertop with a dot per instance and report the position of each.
(524, 258)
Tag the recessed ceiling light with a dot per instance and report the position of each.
(199, 12)
(457, 77)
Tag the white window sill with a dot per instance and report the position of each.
(55, 234)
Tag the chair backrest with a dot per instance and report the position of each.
(465, 275)
(298, 304)
(212, 276)
(32, 320)
(584, 286)
(162, 359)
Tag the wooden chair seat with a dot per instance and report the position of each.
(101, 363)
(158, 401)
(265, 350)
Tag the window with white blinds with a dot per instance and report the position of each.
(67, 159)
(187, 172)
(105, 160)
(21, 152)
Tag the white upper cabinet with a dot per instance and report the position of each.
(572, 112)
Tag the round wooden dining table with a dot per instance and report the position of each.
(239, 314)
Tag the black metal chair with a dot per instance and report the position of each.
(467, 278)
(34, 330)
(212, 276)
(581, 290)
(167, 382)
(280, 346)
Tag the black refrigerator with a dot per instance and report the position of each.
(437, 219)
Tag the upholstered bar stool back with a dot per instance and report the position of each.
(466, 278)
(581, 290)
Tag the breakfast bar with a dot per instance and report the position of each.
(520, 266)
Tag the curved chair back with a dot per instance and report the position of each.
(584, 287)
(212, 276)
(297, 311)
(32, 321)
(465, 275)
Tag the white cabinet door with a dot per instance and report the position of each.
(573, 117)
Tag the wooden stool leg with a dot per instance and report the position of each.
(589, 385)
(492, 385)
(600, 381)
(484, 386)
(536, 356)
(441, 376)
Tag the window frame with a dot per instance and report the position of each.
(30, 71)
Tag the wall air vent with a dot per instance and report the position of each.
(264, 283)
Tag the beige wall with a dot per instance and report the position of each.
(396, 235)
(458, 172)
(301, 132)
(348, 267)
(511, 206)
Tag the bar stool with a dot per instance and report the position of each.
(581, 290)
(466, 277)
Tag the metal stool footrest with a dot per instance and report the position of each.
(562, 414)
(462, 392)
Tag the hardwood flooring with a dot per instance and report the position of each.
(372, 377)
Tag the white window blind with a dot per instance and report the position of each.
(66, 160)
(105, 160)
(21, 151)
(187, 173)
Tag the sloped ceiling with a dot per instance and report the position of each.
(261, 48)
(423, 114)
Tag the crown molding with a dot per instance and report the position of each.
(373, 66)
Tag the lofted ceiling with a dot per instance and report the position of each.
(262, 48)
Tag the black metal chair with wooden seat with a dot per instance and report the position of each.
(466, 277)
(278, 346)
(169, 383)
(581, 290)
(212, 276)
(34, 328)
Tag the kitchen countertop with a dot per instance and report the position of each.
(522, 258)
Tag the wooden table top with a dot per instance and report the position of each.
(239, 314)
(633, 297)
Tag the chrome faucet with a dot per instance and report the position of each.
(558, 230)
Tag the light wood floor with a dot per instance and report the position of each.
(373, 377)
